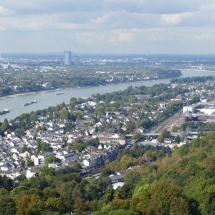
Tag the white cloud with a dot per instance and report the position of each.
(121, 36)
(171, 19)
(204, 37)
(156, 29)
(3, 10)
(91, 37)
(106, 24)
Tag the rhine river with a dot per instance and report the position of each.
(49, 98)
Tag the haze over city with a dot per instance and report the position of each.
(108, 26)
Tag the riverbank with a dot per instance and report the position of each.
(108, 84)
(78, 87)
(48, 98)
(24, 94)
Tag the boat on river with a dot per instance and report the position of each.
(59, 93)
(4, 111)
(30, 103)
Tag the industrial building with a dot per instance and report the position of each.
(192, 108)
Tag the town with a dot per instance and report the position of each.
(91, 132)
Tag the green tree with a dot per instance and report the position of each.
(174, 128)
(30, 205)
(5, 125)
(33, 117)
(161, 198)
(136, 135)
(122, 212)
(124, 192)
(64, 114)
(177, 139)
(47, 171)
(208, 204)
(45, 147)
(132, 177)
(52, 159)
(108, 197)
(80, 207)
(24, 148)
(164, 134)
(130, 126)
(39, 146)
(7, 206)
(3, 192)
(55, 204)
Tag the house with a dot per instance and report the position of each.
(163, 105)
(67, 156)
(147, 158)
(167, 140)
(5, 166)
(92, 161)
(32, 172)
(41, 158)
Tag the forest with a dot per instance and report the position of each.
(178, 182)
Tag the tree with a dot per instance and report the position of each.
(124, 192)
(55, 204)
(33, 117)
(3, 192)
(78, 115)
(7, 206)
(164, 134)
(7, 183)
(45, 147)
(80, 207)
(79, 146)
(96, 129)
(177, 139)
(30, 204)
(20, 178)
(132, 177)
(174, 128)
(108, 197)
(52, 159)
(208, 204)
(130, 126)
(64, 114)
(132, 99)
(125, 161)
(24, 148)
(5, 125)
(47, 171)
(136, 135)
(161, 198)
(38, 146)
(30, 162)
(122, 212)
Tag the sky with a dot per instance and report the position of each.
(108, 26)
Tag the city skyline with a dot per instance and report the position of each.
(108, 26)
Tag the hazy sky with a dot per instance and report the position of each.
(108, 26)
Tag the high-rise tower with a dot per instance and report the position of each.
(77, 61)
(67, 58)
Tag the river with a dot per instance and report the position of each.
(49, 98)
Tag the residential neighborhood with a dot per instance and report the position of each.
(110, 132)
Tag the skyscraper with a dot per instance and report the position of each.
(77, 61)
(67, 58)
